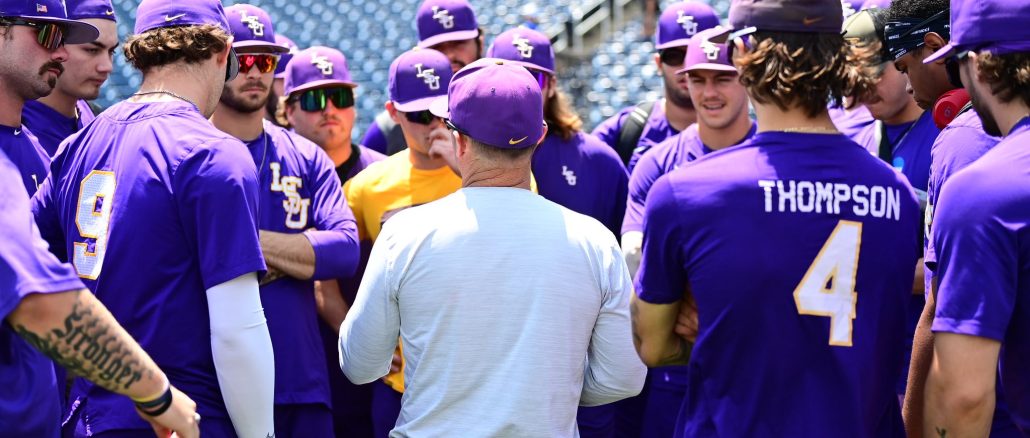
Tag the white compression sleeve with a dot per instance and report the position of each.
(242, 352)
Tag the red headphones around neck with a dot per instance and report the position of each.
(949, 106)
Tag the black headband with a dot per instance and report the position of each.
(906, 35)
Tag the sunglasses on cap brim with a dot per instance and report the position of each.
(48, 35)
(264, 62)
(319, 98)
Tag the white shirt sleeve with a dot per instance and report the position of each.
(242, 352)
(368, 336)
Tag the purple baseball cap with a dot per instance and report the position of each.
(284, 59)
(525, 46)
(882, 4)
(417, 78)
(850, 7)
(496, 102)
(995, 26)
(805, 16)
(155, 14)
(439, 21)
(682, 20)
(703, 54)
(252, 28)
(50, 11)
(82, 9)
(317, 67)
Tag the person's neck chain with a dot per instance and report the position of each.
(812, 130)
(168, 93)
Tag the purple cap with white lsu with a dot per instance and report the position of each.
(440, 21)
(417, 78)
(681, 21)
(995, 26)
(252, 29)
(82, 9)
(526, 46)
(703, 54)
(317, 67)
(50, 11)
(495, 102)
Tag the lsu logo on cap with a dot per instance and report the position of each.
(687, 23)
(322, 63)
(252, 22)
(522, 44)
(41, 8)
(443, 16)
(428, 76)
(711, 50)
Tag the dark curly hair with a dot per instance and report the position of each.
(805, 70)
(1008, 75)
(919, 9)
(166, 45)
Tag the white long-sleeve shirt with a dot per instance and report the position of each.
(512, 311)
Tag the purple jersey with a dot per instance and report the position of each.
(982, 236)
(660, 160)
(656, 130)
(29, 404)
(583, 175)
(851, 121)
(374, 138)
(52, 127)
(22, 148)
(169, 203)
(798, 249)
(911, 146)
(360, 158)
(298, 190)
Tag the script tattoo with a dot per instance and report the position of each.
(88, 346)
(942, 432)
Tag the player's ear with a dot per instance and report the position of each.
(392, 110)
(933, 42)
(658, 63)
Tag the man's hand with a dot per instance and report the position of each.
(397, 363)
(441, 145)
(181, 418)
(271, 275)
(686, 321)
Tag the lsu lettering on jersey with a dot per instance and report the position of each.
(798, 249)
(153, 206)
(299, 192)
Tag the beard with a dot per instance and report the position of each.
(990, 124)
(246, 106)
(677, 95)
(48, 84)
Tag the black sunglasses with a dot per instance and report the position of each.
(424, 117)
(317, 99)
(48, 35)
(673, 56)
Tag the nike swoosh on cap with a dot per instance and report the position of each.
(513, 141)
(174, 17)
(810, 21)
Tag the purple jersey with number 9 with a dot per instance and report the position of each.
(152, 206)
(799, 250)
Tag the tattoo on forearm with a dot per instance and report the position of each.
(88, 346)
(941, 432)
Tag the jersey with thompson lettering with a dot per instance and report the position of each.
(299, 192)
(660, 160)
(154, 206)
(29, 405)
(798, 250)
(982, 235)
(22, 148)
(584, 175)
(52, 127)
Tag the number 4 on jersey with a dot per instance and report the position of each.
(828, 288)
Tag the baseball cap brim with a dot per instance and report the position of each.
(75, 32)
(321, 84)
(944, 52)
(276, 48)
(530, 65)
(708, 66)
(674, 43)
(439, 107)
(460, 35)
(416, 105)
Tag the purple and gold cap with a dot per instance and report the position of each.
(417, 78)
(317, 67)
(496, 102)
(525, 46)
(50, 11)
(995, 26)
(681, 21)
(83, 9)
(155, 14)
(805, 16)
(252, 28)
(703, 54)
(284, 59)
(440, 21)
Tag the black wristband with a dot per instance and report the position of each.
(157, 406)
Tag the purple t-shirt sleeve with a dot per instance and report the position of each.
(26, 266)
(661, 278)
(217, 196)
(608, 131)
(335, 237)
(643, 177)
(374, 138)
(978, 255)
